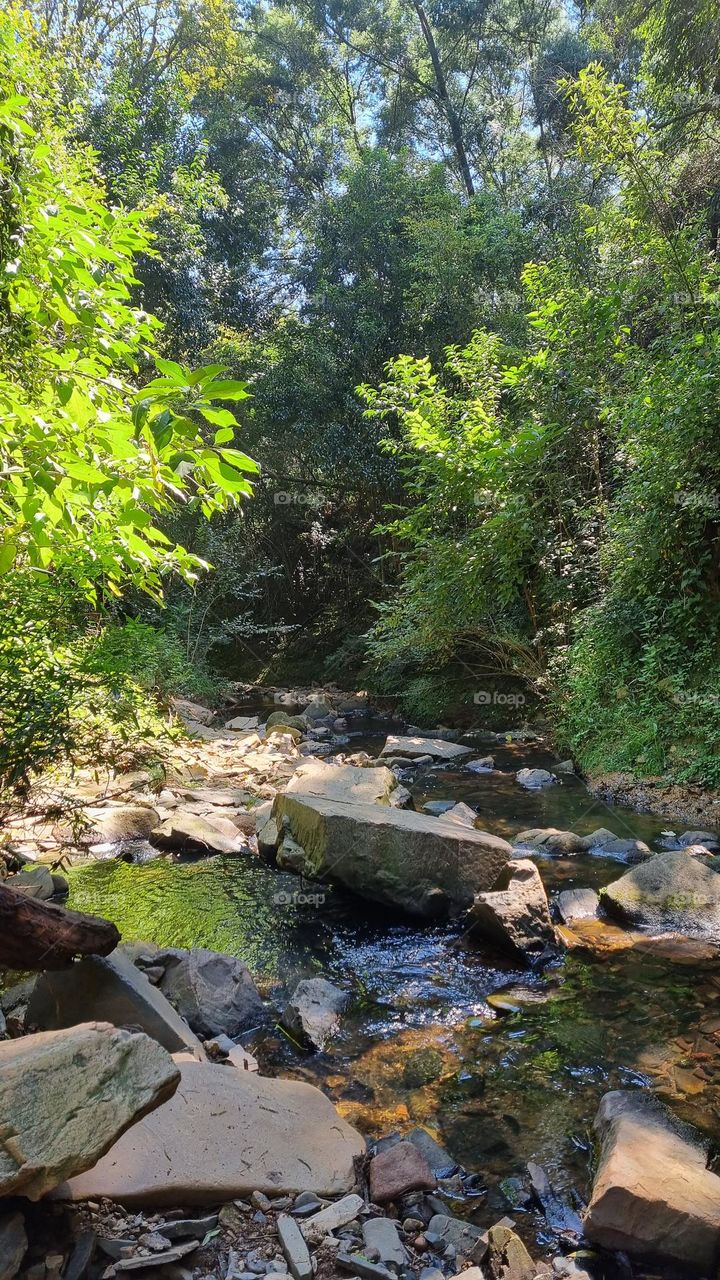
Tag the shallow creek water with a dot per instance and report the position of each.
(420, 1044)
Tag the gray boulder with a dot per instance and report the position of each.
(426, 866)
(214, 993)
(670, 892)
(515, 914)
(110, 988)
(37, 883)
(534, 779)
(653, 1195)
(346, 783)
(577, 904)
(609, 845)
(705, 838)
(67, 1096)
(311, 1014)
(550, 840)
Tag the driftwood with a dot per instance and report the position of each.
(40, 935)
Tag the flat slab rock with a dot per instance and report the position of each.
(223, 1135)
(653, 1195)
(66, 1096)
(346, 782)
(515, 915)
(413, 748)
(426, 866)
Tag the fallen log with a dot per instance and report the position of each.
(41, 935)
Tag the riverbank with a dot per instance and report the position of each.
(503, 1064)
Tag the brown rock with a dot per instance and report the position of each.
(66, 1096)
(653, 1194)
(399, 1169)
(507, 1258)
(223, 1135)
(515, 913)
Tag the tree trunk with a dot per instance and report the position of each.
(40, 935)
(444, 97)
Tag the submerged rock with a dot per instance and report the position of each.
(66, 1096)
(515, 913)
(670, 892)
(426, 866)
(311, 1014)
(609, 845)
(653, 1195)
(213, 992)
(224, 1135)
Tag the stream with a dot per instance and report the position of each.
(497, 1084)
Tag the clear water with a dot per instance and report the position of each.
(420, 1044)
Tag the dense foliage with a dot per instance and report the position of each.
(500, 222)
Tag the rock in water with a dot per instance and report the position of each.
(215, 993)
(653, 1195)
(311, 1014)
(578, 904)
(399, 1169)
(515, 913)
(66, 1096)
(426, 866)
(671, 892)
(550, 840)
(413, 748)
(533, 779)
(13, 1244)
(226, 1134)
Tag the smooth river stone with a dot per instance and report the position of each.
(412, 748)
(225, 1134)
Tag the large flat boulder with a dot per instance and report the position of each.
(653, 1195)
(424, 865)
(190, 833)
(114, 990)
(670, 892)
(515, 914)
(346, 783)
(224, 1134)
(66, 1096)
(414, 747)
(213, 992)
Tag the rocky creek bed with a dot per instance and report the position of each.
(439, 1031)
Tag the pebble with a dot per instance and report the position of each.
(155, 1241)
(412, 1224)
(362, 1267)
(294, 1248)
(259, 1200)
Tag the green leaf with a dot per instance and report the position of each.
(8, 551)
(241, 460)
(218, 417)
(226, 391)
(223, 435)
